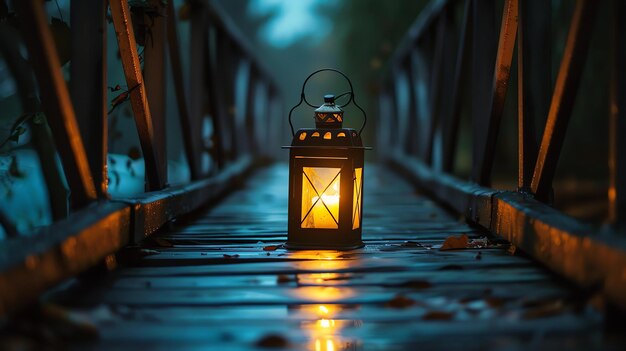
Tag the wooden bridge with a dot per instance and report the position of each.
(447, 264)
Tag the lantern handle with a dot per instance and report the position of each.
(351, 92)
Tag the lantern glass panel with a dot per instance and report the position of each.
(357, 198)
(320, 197)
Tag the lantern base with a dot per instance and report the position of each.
(305, 246)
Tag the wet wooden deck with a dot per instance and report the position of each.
(215, 282)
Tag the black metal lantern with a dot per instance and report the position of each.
(326, 178)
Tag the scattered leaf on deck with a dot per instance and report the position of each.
(495, 302)
(286, 278)
(272, 341)
(400, 301)
(438, 316)
(270, 248)
(511, 250)
(455, 243)
(546, 310)
(231, 256)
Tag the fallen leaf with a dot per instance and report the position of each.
(543, 311)
(286, 278)
(400, 301)
(455, 243)
(511, 250)
(270, 248)
(231, 256)
(272, 341)
(438, 316)
(495, 302)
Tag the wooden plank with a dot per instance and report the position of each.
(154, 81)
(217, 98)
(199, 67)
(443, 105)
(190, 136)
(534, 81)
(31, 264)
(411, 144)
(88, 84)
(564, 244)
(483, 59)
(153, 210)
(435, 84)
(56, 100)
(226, 63)
(460, 72)
(187, 291)
(617, 127)
(483, 163)
(138, 96)
(563, 97)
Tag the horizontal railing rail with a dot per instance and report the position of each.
(444, 61)
(98, 225)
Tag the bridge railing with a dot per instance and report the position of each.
(229, 88)
(446, 59)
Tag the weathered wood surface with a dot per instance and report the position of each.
(207, 283)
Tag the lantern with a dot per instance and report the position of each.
(326, 178)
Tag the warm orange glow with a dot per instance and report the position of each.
(320, 197)
(324, 293)
(321, 215)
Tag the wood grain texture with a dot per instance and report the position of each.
(221, 280)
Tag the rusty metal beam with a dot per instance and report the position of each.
(138, 97)
(565, 245)
(88, 83)
(564, 96)
(534, 82)
(190, 136)
(154, 81)
(56, 100)
(486, 143)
